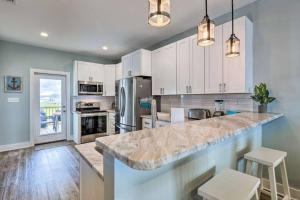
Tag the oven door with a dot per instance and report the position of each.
(90, 88)
(94, 123)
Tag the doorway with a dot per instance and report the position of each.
(49, 107)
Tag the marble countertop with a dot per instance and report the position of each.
(92, 156)
(152, 148)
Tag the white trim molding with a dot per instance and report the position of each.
(10, 147)
(68, 90)
(295, 193)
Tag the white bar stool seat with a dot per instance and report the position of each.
(230, 185)
(270, 158)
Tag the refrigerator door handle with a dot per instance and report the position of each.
(123, 101)
(122, 128)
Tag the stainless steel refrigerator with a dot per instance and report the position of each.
(129, 92)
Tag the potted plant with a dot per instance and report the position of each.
(261, 95)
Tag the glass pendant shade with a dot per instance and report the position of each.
(232, 46)
(159, 13)
(206, 32)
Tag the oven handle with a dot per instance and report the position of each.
(93, 114)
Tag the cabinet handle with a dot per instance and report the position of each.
(163, 90)
(190, 88)
(224, 87)
(147, 123)
(187, 89)
(220, 87)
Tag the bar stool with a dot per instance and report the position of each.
(270, 158)
(230, 185)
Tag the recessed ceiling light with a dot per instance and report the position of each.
(105, 48)
(44, 34)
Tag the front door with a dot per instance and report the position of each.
(49, 108)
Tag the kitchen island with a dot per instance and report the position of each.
(171, 162)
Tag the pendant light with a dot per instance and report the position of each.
(233, 43)
(159, 13)
(206, 30)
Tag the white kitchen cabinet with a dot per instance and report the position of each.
(111, 123)
(87, 71)
(119, 74)
(238, 71)
(183, 66)
(109, 80)
(197, 67)
(146, 123)
(214, 64)
(190, 66)
(137, 63)
(164, 70)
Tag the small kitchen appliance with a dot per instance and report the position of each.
(199, 113)
(90, 88)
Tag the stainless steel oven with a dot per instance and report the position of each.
(90, 88)
(92, 126)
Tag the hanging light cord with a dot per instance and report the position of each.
(159, 6)
(232, 17)
(206, 8)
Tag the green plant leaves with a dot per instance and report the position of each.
(261, 94)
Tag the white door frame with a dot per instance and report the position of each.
(68, 97)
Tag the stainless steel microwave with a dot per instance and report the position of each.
(90, 88)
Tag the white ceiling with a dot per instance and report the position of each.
(84, 26)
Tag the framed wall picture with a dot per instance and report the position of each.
(13, 84)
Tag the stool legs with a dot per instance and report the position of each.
(256, 196)
(272, 183)
(285, 182)
(249, 167)
(259, 175)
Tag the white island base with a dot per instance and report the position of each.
(178, 180)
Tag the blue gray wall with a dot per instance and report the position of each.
(17, 59)
(276, 62)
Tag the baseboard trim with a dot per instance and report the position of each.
(15, 146)
(295, 193)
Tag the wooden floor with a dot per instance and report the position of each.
(47, 174)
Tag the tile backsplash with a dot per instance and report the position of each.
(105, 102)
(236, 102)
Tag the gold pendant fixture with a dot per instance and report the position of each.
(233, 43)
(159, 13)
(206, 30)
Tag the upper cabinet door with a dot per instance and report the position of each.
(183, 66)
(238, 70)
(157, 80)
(136, 61)
(97, 72)
(164, 70)
(197, 67)
(119, 74)
(127, 66)
(169, 72)
(109, 80)
(214, 64)
(83, 73)
(90, 72)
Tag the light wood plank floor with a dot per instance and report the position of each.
(47, 174)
